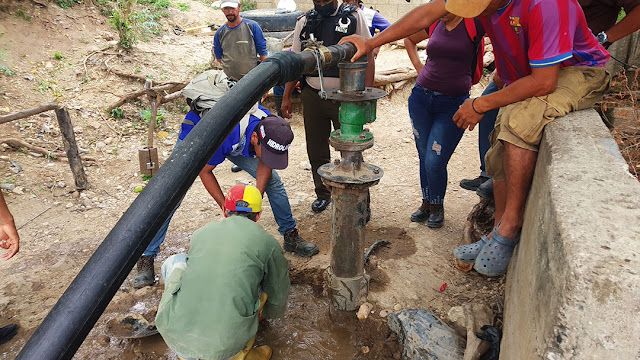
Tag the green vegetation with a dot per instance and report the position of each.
(65, 4)
(23, 15)
(9, 180)
(183, 6)
(58, 55)
(147, 22)
(123, 19)
(248, 5)
(5, 70)
(43, 86)
(117, 113)
(200, 68)
(146, 116)
(146, 177)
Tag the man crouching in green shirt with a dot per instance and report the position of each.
(215, 294)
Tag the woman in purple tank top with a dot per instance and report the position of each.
(443, 85)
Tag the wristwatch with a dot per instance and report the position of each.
(603, 39)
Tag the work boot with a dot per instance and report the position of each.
(472, 184)
(259, 353)
(146, 274)
(319, 205)
(295, 244)
(436, 216)
(7, 333)
(422, 214)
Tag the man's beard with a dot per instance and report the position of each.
(231, 18)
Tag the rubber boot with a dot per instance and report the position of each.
(259, 353)
(146, 274)
(436, 216)
(422, 214)
(7, 333)
(295, 244)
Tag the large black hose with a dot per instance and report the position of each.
(76, 312)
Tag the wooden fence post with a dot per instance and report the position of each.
(70, 147)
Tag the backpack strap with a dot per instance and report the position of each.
(477, 65)
(432, 28)
(470, 24)
(244, 122)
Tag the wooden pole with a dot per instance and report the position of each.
(29, 112)
(154, 102)
(70, 147)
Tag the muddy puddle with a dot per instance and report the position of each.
(305, 332)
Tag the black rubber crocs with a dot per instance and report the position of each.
(296, 244)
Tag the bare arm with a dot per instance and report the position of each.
(211, 184)
(411, 45)
(286, 99)
(262, 57)
(420, 18)
(9, 238)
(370, 74)
(626, 26)
(542, 81)
(263, 174)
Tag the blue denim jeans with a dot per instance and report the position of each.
(436, 137)
(275, 192)
(485, 127)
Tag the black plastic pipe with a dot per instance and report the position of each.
(66, 326)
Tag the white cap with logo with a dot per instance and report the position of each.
(229, 4)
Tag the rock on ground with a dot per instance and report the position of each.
(425, 337)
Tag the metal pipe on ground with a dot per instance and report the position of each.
(66, 326)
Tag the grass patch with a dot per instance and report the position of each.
(117, 113)
(247, 5)
(183, 6)
(146, 116)
(200, 68)
(58, 56)
(43, 86)
(65, 4)
(7, 71)
(21, 14)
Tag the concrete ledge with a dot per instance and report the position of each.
(573, 287)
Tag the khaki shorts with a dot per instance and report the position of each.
(522, 123)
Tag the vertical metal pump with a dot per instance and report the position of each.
(349, 179)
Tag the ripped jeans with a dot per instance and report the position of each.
(436, 137)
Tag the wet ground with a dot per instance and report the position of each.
(307, 331)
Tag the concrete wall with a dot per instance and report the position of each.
(390, 9)
(573, 287)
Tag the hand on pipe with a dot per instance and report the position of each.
(362, 45)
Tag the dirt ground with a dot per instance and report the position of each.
(60, 228)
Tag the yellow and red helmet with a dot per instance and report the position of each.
(243, 198)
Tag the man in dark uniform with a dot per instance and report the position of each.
(327, 22)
